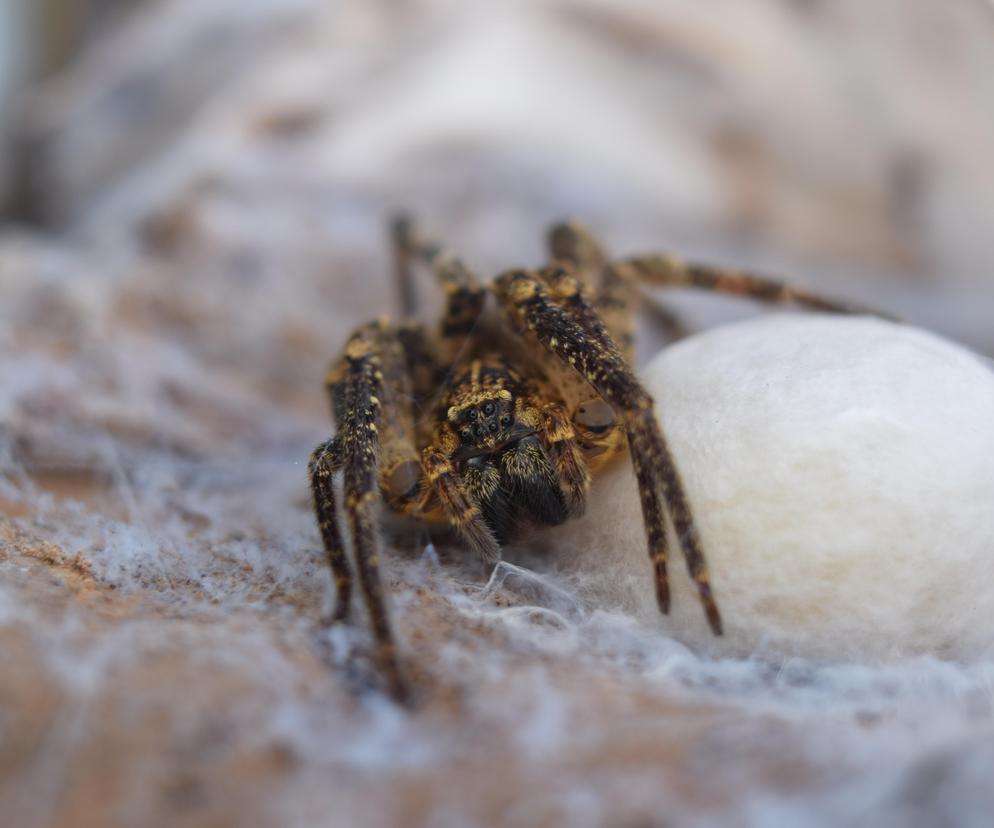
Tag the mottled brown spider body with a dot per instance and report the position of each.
(495, 422)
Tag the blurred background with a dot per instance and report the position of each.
(193, 195)
(846, 146)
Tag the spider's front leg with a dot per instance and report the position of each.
(325, 461)
(613, 295)
(563, 321)
(370, 390)
(613, 291)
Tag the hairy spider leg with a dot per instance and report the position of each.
(614, 297)
(325, 461)
(671, 271)
(371, 396)
(464, 295)
(617, 295)
(612, 291)
(570, 329)
(456, 331)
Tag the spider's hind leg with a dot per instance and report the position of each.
(464, 295)
(671, 271)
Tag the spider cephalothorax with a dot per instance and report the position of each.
(494, 422)
(481, 405)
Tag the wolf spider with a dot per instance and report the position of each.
(523, 403)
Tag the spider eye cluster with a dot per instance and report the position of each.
(487, 419)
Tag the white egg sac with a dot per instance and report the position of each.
(841, 472)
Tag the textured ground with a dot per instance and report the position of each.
(160, 367)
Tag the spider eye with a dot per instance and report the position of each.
(471, 414)
(505, 420)
(488, 409)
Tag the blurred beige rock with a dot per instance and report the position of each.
(843, 143)
(840, 469)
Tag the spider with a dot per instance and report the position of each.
(523, 398)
